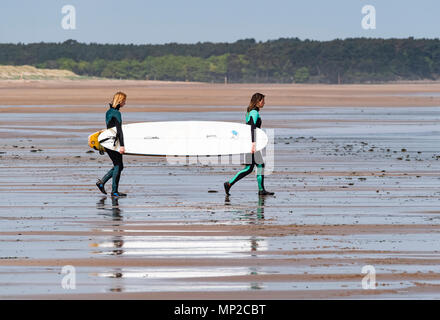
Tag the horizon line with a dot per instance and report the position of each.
(222, 42)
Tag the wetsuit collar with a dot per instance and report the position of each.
(117, 107)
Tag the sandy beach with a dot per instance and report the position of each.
(355, 176)
(150, 95)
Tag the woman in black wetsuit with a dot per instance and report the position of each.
(113, 119)
(254, 120)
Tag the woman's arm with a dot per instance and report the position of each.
(120, 136)
(119, 133)
(253, 122)
(253, 127)
(114, 122)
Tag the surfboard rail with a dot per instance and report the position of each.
(181, 138)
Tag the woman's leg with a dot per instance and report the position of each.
(107, 176)
(259, 161)
(117, 176)
(260, 176)
(243, 173)
(115, 172)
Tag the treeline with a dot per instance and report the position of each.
(279, 61)
(169, 67)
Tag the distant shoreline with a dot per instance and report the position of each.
(143, 94)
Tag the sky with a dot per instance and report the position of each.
(192, 21)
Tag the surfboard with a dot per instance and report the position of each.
(181, 138)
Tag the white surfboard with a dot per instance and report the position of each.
(184, 138)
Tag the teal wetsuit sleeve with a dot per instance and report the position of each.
(254, 115)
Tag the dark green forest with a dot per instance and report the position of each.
(292, 60)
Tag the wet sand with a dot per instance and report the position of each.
(354, 185)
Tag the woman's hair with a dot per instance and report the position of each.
(257, 97)
(118, 98)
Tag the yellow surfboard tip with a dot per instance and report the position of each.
(94, 143)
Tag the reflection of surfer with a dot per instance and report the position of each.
(113, 119)
(116, 215)
(115, 210)
(253, 158)
(260, 208)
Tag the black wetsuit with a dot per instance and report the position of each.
(113, 119)
(253, 119)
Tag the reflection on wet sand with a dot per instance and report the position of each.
(116, 212)
(187, 246)
(118, 242)
(116, 215)
(254, 214)
(354, 187)
(260, 208)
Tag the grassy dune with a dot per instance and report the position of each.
(32, 73)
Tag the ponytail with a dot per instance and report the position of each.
(118, 98)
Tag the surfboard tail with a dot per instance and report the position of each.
(94, 143)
